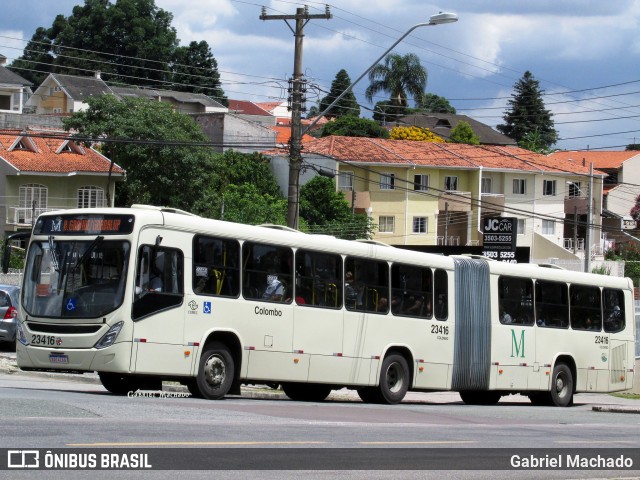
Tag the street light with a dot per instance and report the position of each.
(294, 169)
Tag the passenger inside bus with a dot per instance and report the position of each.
(275, 289)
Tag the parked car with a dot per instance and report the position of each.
(9, 304)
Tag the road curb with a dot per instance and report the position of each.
(615, 409)
(8, 366)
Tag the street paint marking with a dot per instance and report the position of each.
(597, 442)
(451, 442)
(148, 444)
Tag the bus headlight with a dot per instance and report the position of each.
(109, 337)
(20, 336)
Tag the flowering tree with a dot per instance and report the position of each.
(635, 210)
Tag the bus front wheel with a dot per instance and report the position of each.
(215, 375)
(116, 383)
(394, 379)
(562, 386)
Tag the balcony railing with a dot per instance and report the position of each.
(26, 216)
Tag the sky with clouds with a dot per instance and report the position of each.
(584, 53)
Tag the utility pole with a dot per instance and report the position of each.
(588, 240)
(297, 91)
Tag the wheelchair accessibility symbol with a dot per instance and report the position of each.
(206, 308)
(71, 304)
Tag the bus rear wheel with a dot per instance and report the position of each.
(480, 397)
(216, 371)
(562, 386)
(394, 379)
(306, 392)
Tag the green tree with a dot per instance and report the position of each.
(527, 113)
(633, 146)
(235, 168)
(196, 70)
(400, 76)
(432, 103)
(37, 60)
(130, 41)
(386, 112)
(326, 211)
(535, 142)
(350, 126)
(463, 133)
(161, 169)
(347, 105)
(245, 203)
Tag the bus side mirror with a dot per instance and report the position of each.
(6, 254)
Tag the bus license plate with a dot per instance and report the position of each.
(58, 358)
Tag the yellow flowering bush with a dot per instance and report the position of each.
(416, 134)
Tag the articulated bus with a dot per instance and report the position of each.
(145, 294)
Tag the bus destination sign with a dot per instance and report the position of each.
(499, 239)
(84, 225)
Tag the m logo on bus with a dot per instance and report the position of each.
(517, 347)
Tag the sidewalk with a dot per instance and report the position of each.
(600, 402)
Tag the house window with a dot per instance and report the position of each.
(520, 228)
(450, 183)
(549, 187)
(574, 189)
(345, 181)
(420, 224)
(90, 197)
(548, 227)
(32, 202)
(486, 185)
(421, 183)
(387, 181)
(5, 102)
(386, 224)
(519, 186)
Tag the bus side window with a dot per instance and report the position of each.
(159, 282)
(552, 304)
(318, 279)
(441, 294)
(585, 311)
(267, 272)
(614, 314)
(411, 291)
(366, 285)
(216, 266)
(515, 300)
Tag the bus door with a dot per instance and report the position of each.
(265, 318)
(366, 320)
(318, 319)
(514, 337)
(157, 310)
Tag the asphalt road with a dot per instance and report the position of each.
(41, 411)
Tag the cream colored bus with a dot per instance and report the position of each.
(146, 294)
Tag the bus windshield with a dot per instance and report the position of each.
(75, 279)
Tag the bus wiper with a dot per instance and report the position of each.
(63, 273)
(98, 240)
(54, 256)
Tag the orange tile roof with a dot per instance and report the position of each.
(45, 159)
(610, 159)
(284, 134)
(444, 155)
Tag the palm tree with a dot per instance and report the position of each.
(400, 76)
